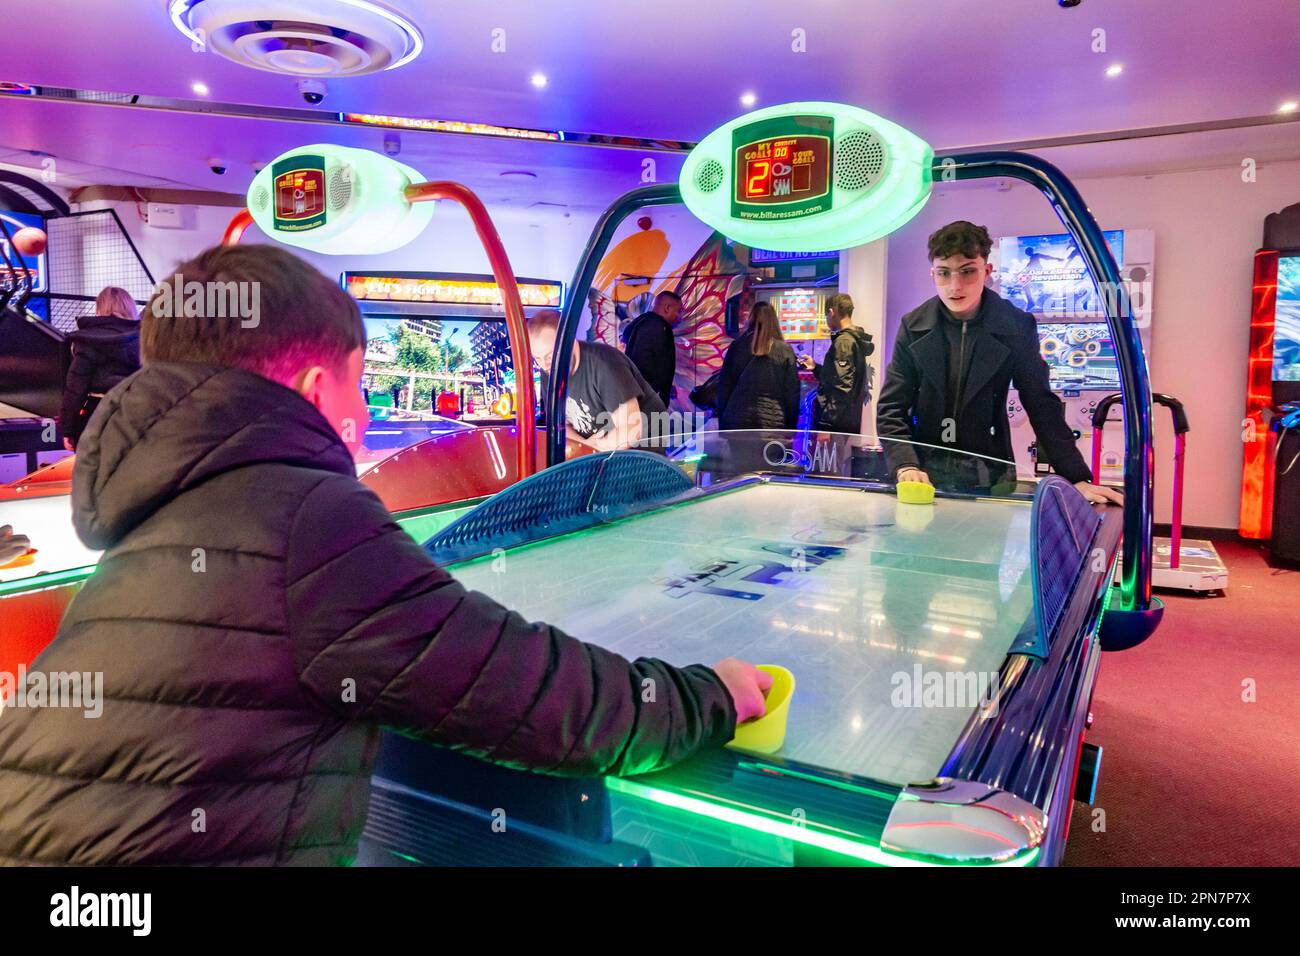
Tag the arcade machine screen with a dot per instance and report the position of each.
(1286, 326)
(438, 351)
(36, 266)
(1046, 275)
(783, 168)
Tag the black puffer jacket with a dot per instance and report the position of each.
(257, 616)
(105, 350)
(842, 382)
(758, 391)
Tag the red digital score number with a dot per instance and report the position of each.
(758, 178)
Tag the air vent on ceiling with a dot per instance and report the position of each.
(319, 38)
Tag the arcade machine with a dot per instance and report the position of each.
(1046, 276)
(798, 285)
(34, 355)
(452, 327)
(1270, 479)
(834, 578)
(339, 200)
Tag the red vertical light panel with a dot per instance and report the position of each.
(1256, 517)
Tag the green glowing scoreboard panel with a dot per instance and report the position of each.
(806, 176)
(337, 200)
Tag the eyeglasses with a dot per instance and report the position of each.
(965, 274)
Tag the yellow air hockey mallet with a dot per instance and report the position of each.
(766, 734)
(915, 493)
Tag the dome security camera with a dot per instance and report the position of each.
(313, 91)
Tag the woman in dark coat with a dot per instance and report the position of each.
(759, 385)
(105, 350)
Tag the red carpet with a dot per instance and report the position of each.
(1193, 775)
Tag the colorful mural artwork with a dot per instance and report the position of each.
(705, 282)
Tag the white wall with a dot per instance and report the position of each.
(1207, 224)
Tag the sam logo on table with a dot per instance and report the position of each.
(824, 456)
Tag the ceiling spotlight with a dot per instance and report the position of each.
(539, 80)
(200, 88)
(1290, 106)
(748, 99)
(1115, 69)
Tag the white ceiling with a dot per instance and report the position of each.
(959, 73)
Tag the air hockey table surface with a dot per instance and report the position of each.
(944, 655)
(824, 581)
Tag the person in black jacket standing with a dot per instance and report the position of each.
(759, 384)
(648, 342)
(257, 616)
(955, 359)
(105, 350)
(842, 378)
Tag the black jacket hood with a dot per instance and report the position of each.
(105, 330)
(171, 426)
(862, 335)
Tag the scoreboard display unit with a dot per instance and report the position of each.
(804, 177)
(784, 168)
(338, 200)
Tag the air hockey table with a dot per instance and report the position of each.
(944, 656)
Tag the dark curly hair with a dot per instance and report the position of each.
(960, 238)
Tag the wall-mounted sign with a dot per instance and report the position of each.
(760, 256)
(446, 289)
(449, 126)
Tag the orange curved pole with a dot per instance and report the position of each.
(235, 231)
(520, 354)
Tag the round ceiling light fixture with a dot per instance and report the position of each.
(314, 38)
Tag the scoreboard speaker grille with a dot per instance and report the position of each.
(340, 189)
(709, 176)
(258, 200)
(859, 160)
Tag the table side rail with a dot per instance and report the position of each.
(1021, 745)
